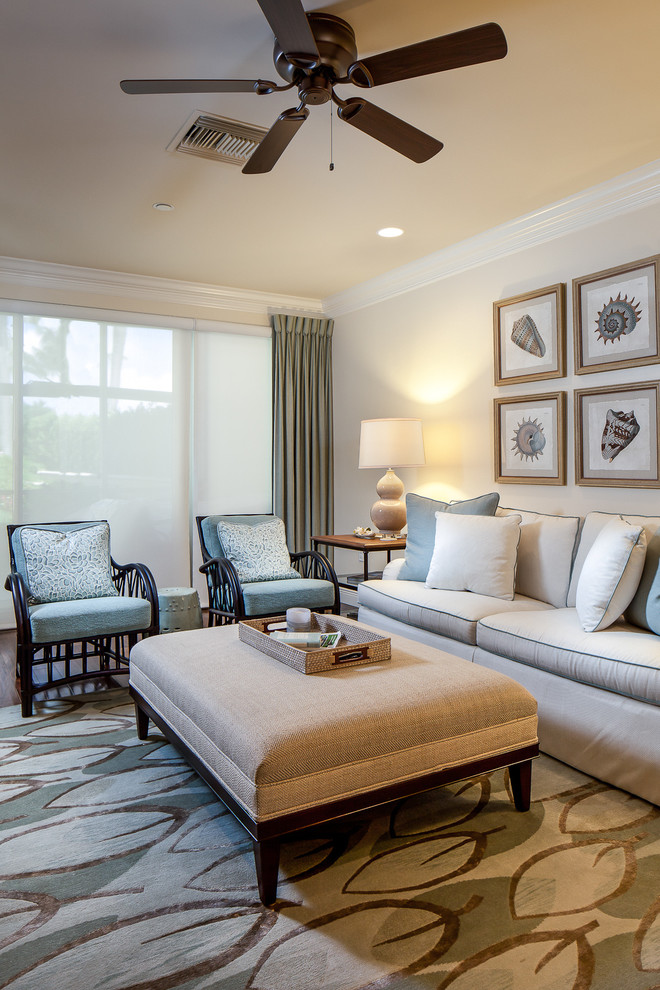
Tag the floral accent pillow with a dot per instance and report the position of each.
(259, 553)
(66, 566)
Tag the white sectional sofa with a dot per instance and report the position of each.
(598, 692)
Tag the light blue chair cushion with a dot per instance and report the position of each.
(209, 527)
(275, 597)
(420, 540)
(85, 617)
(644, 610)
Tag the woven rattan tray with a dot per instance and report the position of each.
(358, 645)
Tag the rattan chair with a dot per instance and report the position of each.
(61, 632)
(232, 599)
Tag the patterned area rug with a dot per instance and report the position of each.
(119, 869)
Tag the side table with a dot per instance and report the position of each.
(179, 609)
(363, 546)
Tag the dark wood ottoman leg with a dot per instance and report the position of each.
(141, 722)
(520, 775)
(267, 862)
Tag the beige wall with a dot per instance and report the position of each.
(429, 353)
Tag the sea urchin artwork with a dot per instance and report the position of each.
(528, 440)
(618, 317)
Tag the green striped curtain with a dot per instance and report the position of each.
(303, 473)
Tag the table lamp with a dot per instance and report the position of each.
(390, 443)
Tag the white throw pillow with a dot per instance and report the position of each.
(475, 553)
(259, 552)
(610, 574)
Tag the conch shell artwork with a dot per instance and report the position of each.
(528, 440)
(525, 334)
(621, 428)
(618, 317)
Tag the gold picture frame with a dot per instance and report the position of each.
(530, 336)
(616, 317)
(616, 436)
(530, 439)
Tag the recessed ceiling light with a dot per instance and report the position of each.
(164, 207)
(390, 232)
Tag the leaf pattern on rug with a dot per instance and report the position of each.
(646, 949)
(545, 885)
(120, 870)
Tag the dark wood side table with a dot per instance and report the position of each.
(363, 546)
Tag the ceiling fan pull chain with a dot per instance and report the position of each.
(332, 164)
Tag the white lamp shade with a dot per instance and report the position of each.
(386, 443)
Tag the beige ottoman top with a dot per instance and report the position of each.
(281, 741)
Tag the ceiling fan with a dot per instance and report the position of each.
(315, 52)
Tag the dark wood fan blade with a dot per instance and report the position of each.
(189, 85)
(483, 43)
(289, 24)
(390, 130)
(283, 131)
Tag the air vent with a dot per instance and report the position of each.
(217, 138)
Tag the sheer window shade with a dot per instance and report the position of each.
(128, 421)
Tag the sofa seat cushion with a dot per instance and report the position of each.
(621, 658)
(56, 622)
(274, 597)
(449, 613)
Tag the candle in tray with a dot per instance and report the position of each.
(298, 619)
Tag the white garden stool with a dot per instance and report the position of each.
(179, 609)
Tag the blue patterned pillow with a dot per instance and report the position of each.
(67, 566)
(259, 553)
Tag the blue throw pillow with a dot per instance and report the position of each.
(644, 609)
(421, 528)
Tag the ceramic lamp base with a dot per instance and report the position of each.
(388, 514)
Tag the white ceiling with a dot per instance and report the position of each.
(574, 103)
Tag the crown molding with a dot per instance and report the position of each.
(630, 191)
(46, 275)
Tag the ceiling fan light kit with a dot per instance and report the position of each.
(317, 51)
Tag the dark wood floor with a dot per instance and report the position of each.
(8, 693)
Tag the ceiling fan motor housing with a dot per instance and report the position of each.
(335, 40)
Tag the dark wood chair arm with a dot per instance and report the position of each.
(19, 593)
(224, 588)
(137, 581)
(313, 564)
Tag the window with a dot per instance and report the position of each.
(137, 424)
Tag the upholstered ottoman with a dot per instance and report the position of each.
(284, 750)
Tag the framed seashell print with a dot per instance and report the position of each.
(530, 439)
(530, 336)
(616, 317)
(616, 436)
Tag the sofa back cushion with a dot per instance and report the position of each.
(644, 610)
(420, 540)
(545, 555)
(610, 574)
(475, 553)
